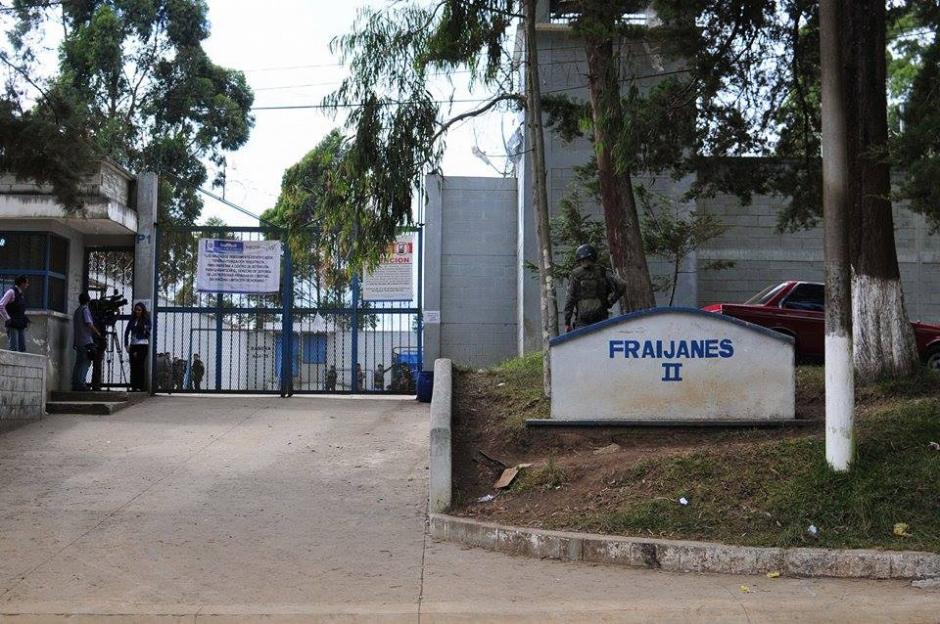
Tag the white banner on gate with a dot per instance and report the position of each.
(393, 279)
(230, 266)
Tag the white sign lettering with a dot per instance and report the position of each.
(230, 266)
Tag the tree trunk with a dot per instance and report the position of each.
(884, 339)
(616, 184)
(547, 298)
(837, 119)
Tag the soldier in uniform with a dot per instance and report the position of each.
(197, 372)
(592, 290)
(179, 373)
(378, 378)
(331, 379)
(407, 381)
(164, 372)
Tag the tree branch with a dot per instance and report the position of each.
(477, 111)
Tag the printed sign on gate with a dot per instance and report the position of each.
(229, 266)
(393, 279)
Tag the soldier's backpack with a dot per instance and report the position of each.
(592, 295)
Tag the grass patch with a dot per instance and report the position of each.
(811, 383)
(769, 493)
(514, 389)
(548, 477)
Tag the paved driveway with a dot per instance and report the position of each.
(307, 509)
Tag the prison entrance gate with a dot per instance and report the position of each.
(341, 342)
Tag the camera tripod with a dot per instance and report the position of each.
(112, 346)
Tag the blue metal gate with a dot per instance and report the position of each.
(339, 342)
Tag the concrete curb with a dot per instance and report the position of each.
(439, 489)
(685, 556)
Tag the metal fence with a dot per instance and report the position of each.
(109, 271)
(235, 343)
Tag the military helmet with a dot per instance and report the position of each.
(585, 252)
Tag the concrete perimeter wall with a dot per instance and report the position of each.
(763, 256)
(470, 269)
(22, 388)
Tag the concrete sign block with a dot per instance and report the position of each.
(673, 364)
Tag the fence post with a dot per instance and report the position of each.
(420, 325)
(157, 231)
(355, 334)
(287, 327)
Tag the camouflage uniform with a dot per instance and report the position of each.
(592, 291)
(197, 372)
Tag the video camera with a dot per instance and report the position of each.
(106, 309)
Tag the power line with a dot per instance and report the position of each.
(233, 205)
(292, 67)
(465, 101)
(354, 105)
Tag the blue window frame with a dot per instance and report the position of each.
(279, 355)
(43, 257)
(314, 351)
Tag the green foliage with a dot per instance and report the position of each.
(46, 144)
(917, 148)
(151, 99)
(312, 224)
(673, 237)
(793, 131)
(570, 229)
(396, 128)
(692, 89)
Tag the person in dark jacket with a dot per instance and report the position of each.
(13, 313)
(592, 291)
(137, 343)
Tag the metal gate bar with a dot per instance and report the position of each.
(310, 344)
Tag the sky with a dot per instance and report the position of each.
(283, 46)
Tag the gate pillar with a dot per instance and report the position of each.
(145, 245)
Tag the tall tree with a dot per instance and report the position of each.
(136, 73)
(397, 128)
(672, 94)
(884, 342)
(319, 255)
(600, 25)
(884, 339)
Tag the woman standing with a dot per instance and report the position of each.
(137, 343)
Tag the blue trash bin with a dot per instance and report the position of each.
(425, 386)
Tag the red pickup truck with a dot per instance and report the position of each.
(796, 309)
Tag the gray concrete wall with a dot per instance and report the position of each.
(22, 388)
(562, 71)
(764, 256)
(470, 269)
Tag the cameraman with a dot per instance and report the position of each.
(83, 341)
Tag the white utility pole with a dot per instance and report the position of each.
(840, 377)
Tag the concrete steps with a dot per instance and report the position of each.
(92, 403)
(115, 396)
(94, 408)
